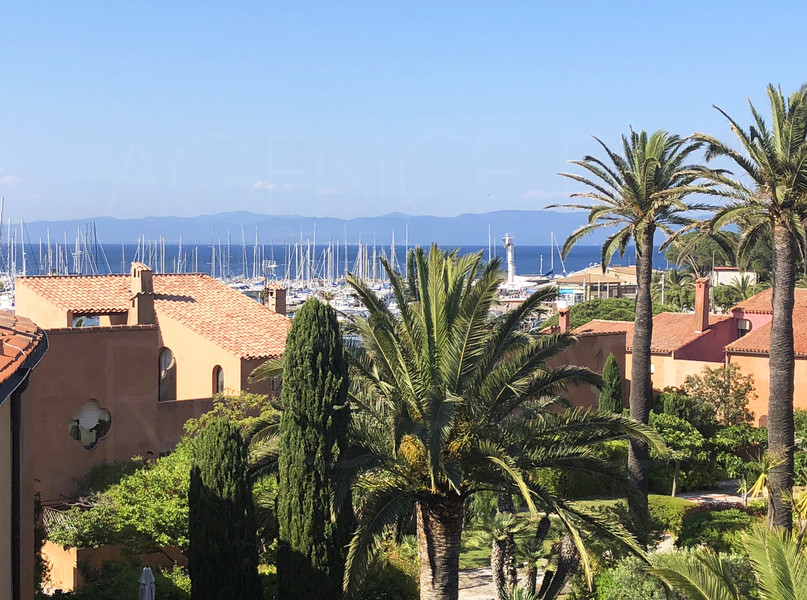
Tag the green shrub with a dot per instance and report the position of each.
(395, 573)
(628, 580)
(720, 530)
(695, 411)
(668, 513)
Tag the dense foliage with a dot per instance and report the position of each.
(146, 509)
(312, 525)
(605, 309)
(222, 553)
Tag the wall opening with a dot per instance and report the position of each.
(168, 375)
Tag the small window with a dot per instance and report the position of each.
(168, 375)
(218, 380)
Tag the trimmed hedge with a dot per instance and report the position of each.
(667, 514)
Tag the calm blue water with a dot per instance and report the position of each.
(252, 261)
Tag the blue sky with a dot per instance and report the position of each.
(358, 109)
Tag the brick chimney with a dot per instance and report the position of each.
(702, 304)
(141, 300)
(564, 320)
(276, 298)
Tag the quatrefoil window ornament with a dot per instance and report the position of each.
(90, 424)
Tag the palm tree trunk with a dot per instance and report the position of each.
(531, 579)
(780, 403)
(497, 551)
(439, 522)
(568, 561)
(509, 567)
(641, 387)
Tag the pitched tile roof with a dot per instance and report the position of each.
(671, 331)
(758, 340)
(598, 326)
(202, 304)
(761, 302)
(18, 339)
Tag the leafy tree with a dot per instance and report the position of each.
(773, 207)
(604, 309)
(639, 192)
(223, 554)
(683, 441)
(448, 403)
(144, 510)
(313, 528)
(695, 411)
(610, 399)
(725, 389)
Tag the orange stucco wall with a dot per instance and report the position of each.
(592, 352)
(756, 365)
(39, 310)
(670, 372)
(195, 359)
(118, 366)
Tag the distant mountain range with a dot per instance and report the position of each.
(528, 227)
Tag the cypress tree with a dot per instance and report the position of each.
(312, 542)
(611, 395)
(223, 551)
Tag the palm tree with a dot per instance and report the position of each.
(640, 192)
(498, 531)
(447, 403)
(777, 559)
(774, 159)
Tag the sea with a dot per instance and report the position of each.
(265, 260)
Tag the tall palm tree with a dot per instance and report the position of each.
(447, 403)
(773, 203)
(639, 192)
(777, 560)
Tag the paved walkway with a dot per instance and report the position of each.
(726, 492)
(477, 584)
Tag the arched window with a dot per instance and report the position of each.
(168, 375)
(218, 380)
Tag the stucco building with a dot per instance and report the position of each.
(22, 346)
(684, 343)
(132, 358)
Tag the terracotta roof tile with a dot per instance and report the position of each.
(599, 326)
(18, 339)
(671, 331)
(761, 302)
(758, 340)
(202, 304)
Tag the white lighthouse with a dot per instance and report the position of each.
(511, 259)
